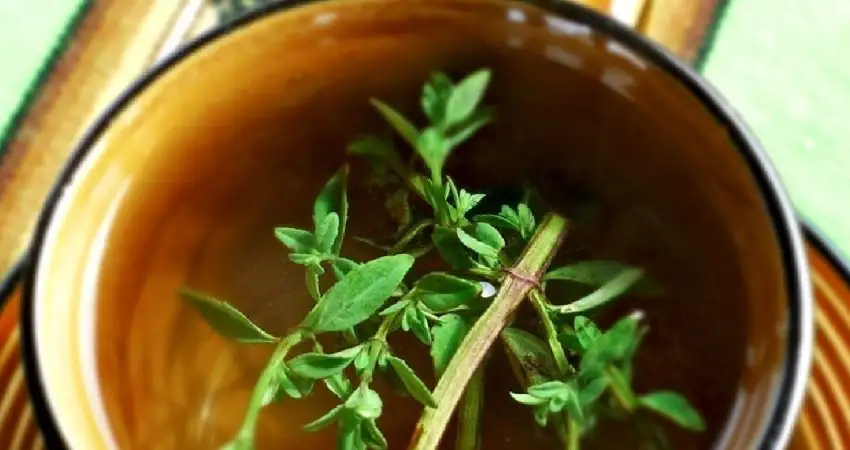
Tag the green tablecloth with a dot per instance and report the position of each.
(31, 31)
(784, 64)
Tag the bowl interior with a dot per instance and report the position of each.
(187, 181)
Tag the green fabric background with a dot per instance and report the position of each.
(30, 32)
(784, 65)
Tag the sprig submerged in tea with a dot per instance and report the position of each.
(573, 373)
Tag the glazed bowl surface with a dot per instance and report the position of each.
(183, 180)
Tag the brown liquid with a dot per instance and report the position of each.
(203, 208)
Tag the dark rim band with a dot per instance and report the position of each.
(787, 401)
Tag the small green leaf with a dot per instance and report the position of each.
(394, 308)
(373, 146)
(287, 385)
(338, 384)
(529, 400)
(327, 232)
(341, 267)
(592, 391)
(468, 128)
(403, 126)
(489, 235)
(612, 346)
(320, 365)
(419, 326)
(434, 150)
(548, 389)
(441, 292)
(532, 353)
(559, 401)
(298, 241)
(451, 249)
(325, 420)
(591, 273)
(435, 95)
(448, 335)
(365, 402)
(605, 294)
(476, 245)
(372, 436)
(497, 221)
(526, 221)
(333, 198)
(307, 259)
(225, 319)
(468, 201)
(466, 96)
(350, 431)
(510, 215)
(570, 342)
(412, 383)
(359, 294)
(313, 285)
(541, 415)
(674, 407)
(586, 331)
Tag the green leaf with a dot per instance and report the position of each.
(548, 389)
(403, 126)
(466, 96)
(435, 95)
(313, 285)
(434, 150)
(320, 365)
(476, 245)
(226, 319)
(394, 308)
(570, 342)
(373, 146)
(468, 201)
(333, 198)
(591, 273)
(541, 415)
(271, 394)
(586, 331)
(325, 420)
(592, 391)
(327, 232)
(350, 431)
(605, 294)
(419, 326)
(468, 128)
(341, 267)
(441, 292)
(365, 402)
(298, 241)
(497, 221)
(359, 294)
(489, 235)
(338, 384)
(527, 223)
(612, 346)
(412, 383)
(372, 435)
(510, 215)
(451, 249)
(307, 259)
(529, 400)
(448, 335)
(532, 353)
(674, 407)
(287, 385)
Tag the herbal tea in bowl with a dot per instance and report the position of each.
(390, 224)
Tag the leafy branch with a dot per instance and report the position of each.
(573, 373)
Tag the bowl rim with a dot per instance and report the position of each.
(787, 400)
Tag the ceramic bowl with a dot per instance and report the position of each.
(183, 179)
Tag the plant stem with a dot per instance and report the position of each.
(267, 377)
(574, 436)
(529, 268)
(539, 301)
(469, 416)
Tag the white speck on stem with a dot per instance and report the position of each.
(487, 289)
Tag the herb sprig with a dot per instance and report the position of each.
(573, 373)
